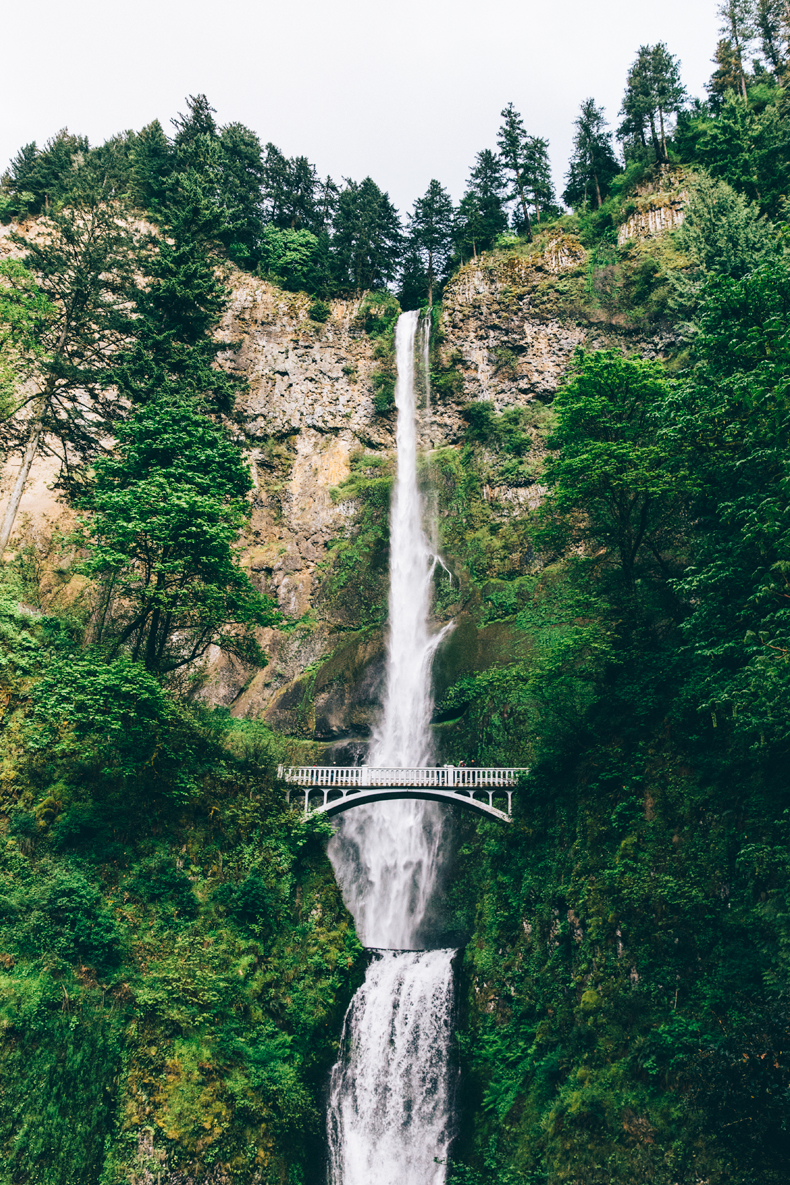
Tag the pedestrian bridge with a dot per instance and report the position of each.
(331, 789)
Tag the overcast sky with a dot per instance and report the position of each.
(403, 92)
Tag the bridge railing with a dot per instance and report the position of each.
(379, 775)
(328, 783)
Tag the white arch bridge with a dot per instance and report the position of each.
(331, 789)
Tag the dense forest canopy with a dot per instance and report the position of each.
(165, 921)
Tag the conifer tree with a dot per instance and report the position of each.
(653, 92)
(367, 242)
(481, 213)
(514, 147)
(772, 20)
(537, 175)
(82, 269)
(152, 165)
(429, 239)
(593, 164)
(738, 26)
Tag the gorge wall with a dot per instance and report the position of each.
(507, 330)
(509, 324)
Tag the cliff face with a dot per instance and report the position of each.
(509, 325)
(508, 329)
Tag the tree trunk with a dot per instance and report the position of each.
(597, 191)
(430, 279)
(663, 135)
(654, 136)
(526, 211)
(31, 448)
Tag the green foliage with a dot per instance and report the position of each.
(173, 975)
(296, 259)
(167, 509)
(724, 233)
(611, 482)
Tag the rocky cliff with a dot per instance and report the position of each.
(509, 324)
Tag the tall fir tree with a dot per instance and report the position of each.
(593, 163)
(513, 144)
(429, 243)
(481, 214)
(368, 237)
(739, 28)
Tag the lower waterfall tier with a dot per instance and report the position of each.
(390, 1103)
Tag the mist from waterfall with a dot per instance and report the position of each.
(390, 1100)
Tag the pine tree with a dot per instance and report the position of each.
(169, 341)
(772, 20)
(537, 175)
(593, 163)
(152, 165)
(429, 240)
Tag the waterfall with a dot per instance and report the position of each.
(389, 1107)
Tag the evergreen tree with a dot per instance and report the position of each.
(514, 147)
(481, 214)
(593, 164)
(368, 239)
(537, 175)
(738, 27)
(429, 240)
(728, 72)
(773, 26)
(152, 165)
(82, 268)
(242, 178)
(294, 197)
(653, 93)
(169, 344)
(468, 225)
(41, 181)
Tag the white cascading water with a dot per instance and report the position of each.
(390, 1105)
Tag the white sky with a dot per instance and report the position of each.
(402, 92)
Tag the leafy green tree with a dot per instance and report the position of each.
(481, 214)
(166, 510)
(609, 483)
(297, 259)
(368, 239)
(593, 163)
(82, 269)
(429, 239)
